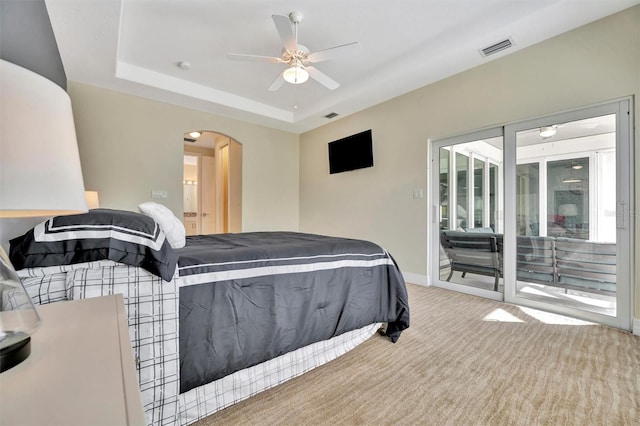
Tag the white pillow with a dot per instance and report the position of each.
(172, 227)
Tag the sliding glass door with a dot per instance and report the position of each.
(567, 241)
(539, 217)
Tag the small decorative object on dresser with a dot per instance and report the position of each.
(18, 317)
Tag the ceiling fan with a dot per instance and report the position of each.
(297, 56)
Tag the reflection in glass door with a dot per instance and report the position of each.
(571, 254)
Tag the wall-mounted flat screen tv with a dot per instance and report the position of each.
(351, 153)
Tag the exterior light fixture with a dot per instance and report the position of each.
(548, 131)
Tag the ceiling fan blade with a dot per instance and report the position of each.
(322, 78)
(276, 83)
(243, 57)
(334, 52)
(283, 25)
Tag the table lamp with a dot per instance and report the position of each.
(93, 201)
(40, 176)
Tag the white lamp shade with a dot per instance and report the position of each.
(40, 173)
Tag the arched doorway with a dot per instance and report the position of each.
(212, 183)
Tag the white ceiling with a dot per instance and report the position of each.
(133, 46)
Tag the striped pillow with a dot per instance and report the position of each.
(122, 236)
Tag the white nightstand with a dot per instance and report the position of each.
(80, 372)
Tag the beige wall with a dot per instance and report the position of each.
(592, 64)
(189, 148)
(190, 172)
(130, 146)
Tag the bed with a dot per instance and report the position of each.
(215, 319)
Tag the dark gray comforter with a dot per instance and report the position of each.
(246, 298)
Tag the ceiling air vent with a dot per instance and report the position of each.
(331, 115)
(189, 140)
(501, 45)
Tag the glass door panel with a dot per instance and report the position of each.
(468, 173)
(566, 245)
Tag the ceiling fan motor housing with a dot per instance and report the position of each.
(300, 55)
(296, 17)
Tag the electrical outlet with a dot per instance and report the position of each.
(159, 193)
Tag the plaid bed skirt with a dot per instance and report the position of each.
(152, 310)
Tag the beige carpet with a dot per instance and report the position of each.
(464, 361)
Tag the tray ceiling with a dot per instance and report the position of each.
(134, 46)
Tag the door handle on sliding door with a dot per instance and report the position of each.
(621, 215)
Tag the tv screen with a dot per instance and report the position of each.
(351, 153)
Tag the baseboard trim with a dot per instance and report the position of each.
(415, 278)
(636, 326)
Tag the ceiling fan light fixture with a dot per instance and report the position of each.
(295, 75)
